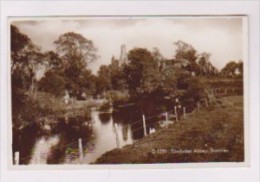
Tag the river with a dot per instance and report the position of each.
(83, 139)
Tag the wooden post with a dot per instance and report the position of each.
(16, 158)
(206, 102)
(144, 125)
(198, 105)
(175, 112)
(80, 150)
(166, 119)
(117, 137)
(184, 112)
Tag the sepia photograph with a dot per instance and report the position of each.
(128, 90)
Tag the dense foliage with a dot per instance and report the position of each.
(66, 70)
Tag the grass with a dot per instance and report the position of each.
(213, 134)
(54, 107)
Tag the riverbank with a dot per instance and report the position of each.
(213, 134)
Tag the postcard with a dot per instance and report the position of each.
(102, 91)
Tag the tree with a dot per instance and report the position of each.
(76, 52)
(240, 67)
(52, 83)
(142, 73)
(206, 67)
(185, 51)
(21, 44)
(229, 69)
(104, 79)
(87, 82)
(73, 47)
(24, 56)
(168, 81)
(52, 61)
(117, 77)
(157, 55)
(195, 89)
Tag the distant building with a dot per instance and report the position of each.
(180, 63)
(123, 55)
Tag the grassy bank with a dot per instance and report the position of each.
(41, 106)
(213, 134)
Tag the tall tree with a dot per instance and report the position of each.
(24, 55)
(204, 64)
(76, 53)
(185, 51)
(104, 79)
(52, 61)
(52, 83)
(73, 47)
(229, 69)
(117, 78)
(142, 73)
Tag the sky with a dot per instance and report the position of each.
(222, 37)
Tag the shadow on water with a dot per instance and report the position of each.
(153, 111)
(104, 117)
(58, 139)
(133, 115)
(33, 137)
(24, 140)
(70, 130)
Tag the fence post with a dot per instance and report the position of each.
(16, 158)
(66, 119)
(117, 137)
(80, 150)
(166, 119)
(144, 125)
(184, 112)
(176, 113)
(198, 105)
(206, 102)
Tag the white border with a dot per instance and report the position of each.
(59, 8)
(245, 163)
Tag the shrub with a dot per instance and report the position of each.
(195, 89)
(52, 83)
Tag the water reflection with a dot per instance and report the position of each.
(105, 136)
(104, 117)
(42, 149)
(57, 142)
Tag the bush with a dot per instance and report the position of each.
(52, 83)
(183, 80)
(195, 89)
(117, 97)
